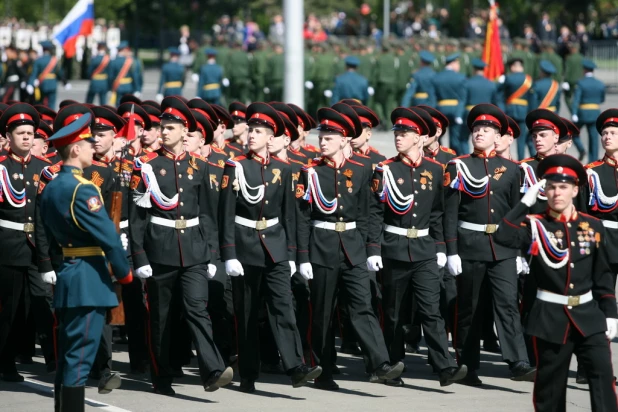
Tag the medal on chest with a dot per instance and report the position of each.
(548, 245)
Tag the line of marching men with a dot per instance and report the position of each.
(212, 231)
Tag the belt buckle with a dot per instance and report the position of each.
(340, 227)
(573, 301)
(489, 229)
(261, 225)
(412, 233)
(29, 227)
(180, 224)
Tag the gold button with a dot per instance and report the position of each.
(340, 207)
(338, 183)
(265, 167)
(27, 183)
(338, 171)
(489, 175)
(182, 231)
(492, 210)
(28, 200)
(182, 217)
(568, 225)
(572, 243)
(29, 235)
(179, 176)
(29, 218)
(339, 195)
(415, 180)
(263, 236)
(571, 286)
(413, 214)
(491, 192)
(70, 244)
(341, 219)
(569, 307)
(414, 169)
(181, 190)
(182, 204)
(572, 265)
(416, 192)
(266, 201)
(266, 183)
(178, 163)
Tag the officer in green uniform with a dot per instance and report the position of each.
(259, 66)
(549, 54)
(351, 85)
(43, 80)
(238, 67)
(384, 78)
(322, 78)
(210, 79)
(573, 71)
(98, 73)
(275, 74)
(521, 51)
(172, 76)
(420, 88)
(545, 92)
(406, 68)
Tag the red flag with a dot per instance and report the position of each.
(492, 53)
(128, 130)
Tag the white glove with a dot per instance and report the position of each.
(566, 86)
(48, 277)
(125, 241)
(441, 258)
(36, 83)
(612, 328)
(575, 118)
(458, 120)
(159, 97)
(374, 263)
(266, 90)
(234, 268)
(501, 79)
(144, 272)
(328, 93)
(68, 86)
(306, 271)
(519, 265)
(371, 91)
(531, 195)
(22, 85)
(30, 89)
(454, 265)
(525, 268)
(137, 94)
(309, 85)
(212, 271)
(225, 82)
(292, 267)
(195, 77)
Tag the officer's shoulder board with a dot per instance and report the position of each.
(594, 164)
(198, 156)
(589, 217)
(295, 161)
(354, 162)
(361, 155)
(430, 160)
(97, 163)
(215, 165)
(148, 157)
(217, 150)
(448, 150)
(466, 156)
(374, 150)
(44, 159)
(313, 163)
(232, 162)
(280, 160)
(526, 160)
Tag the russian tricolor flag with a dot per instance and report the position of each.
(79, 22)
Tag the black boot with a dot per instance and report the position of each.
(581, 378)
(72, 399)
(57, 389)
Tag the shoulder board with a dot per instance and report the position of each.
(236, 149)
(373, 149)
(430, 160)
(238, 158)
(44, 159)
(526, 160)
(55, 168)
(280, 160)
(296, 161)
(83, 180)
(588, 216)
(462, 156)
(361, 155)
(217, 150)
(510, 160)
(594, 164)
(312, 148)
(215, 165)
(97, 163)
(198, 156)
(354, 162)
(309, 166)
(3, 158)
(534, 216)
(387, 161)
(148, 157)
(448, 150)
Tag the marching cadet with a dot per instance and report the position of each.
(479, 89)
(306, 123)
(169, 227)
(569, 256)
(172, 77)
(515, 96)
(25, 268)
(351, 85)
(565, 142)
(240, 130)
(99, 75)
(396, 183)
(482, 187)
(43, 80)
(225, 123)
(74, 217)
(545, 92)
(257, 203)
(13, 75)
(209, 79)
(125, 75)
(39, 143)
(421, 90)
(588, 95)
(369, 121)
(151, 138)
(332, 230)
(142, 122)
(450, 99)
(504, 142)
(432, 147)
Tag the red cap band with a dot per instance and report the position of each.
(46, 117)
(300, 122)
(72, 118)
(437, 122)
(611, 120)
(104, 122)
(17, 117)
(487, 118)
(544, 123)
(561, 170)
(154, 119)
(365, 120)
(404, 121)
(335, 126)
(42, 133)
(175, 113)
(238, 113)
(265, 118)
(510, 131)
(136, 117)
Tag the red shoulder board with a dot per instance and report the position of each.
(373, 149)
(594, 164)
(534, 216)
(217, 150)
(354, 162)
(281, 160)
(46, 160)
(198, 156)
(296, 161)
(387, 161)
(587, 215)
(448, 150)
(526, 160)
(361, 155)
(236, 149)
(311, 148)
(215, 165)
(462, 156)
(432, 161)
(97, 163)
(55, 168)
(148, 157)
(242, 157)
(315, 162)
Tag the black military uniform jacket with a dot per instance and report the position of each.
(345, 191)
(216, 163)
(442, 155)
(300, 156)
(187, 176)
(374, 156)
(20, 177)
(424, 181)
(102, 176)
(250, 246)
(484, 206)
(586, 269)
(528, 178)
(603, 182)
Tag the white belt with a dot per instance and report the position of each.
(175, 224)
(13, 78)
(123, 224)
(550, 297)
(22, 227)
(409, 233)
(337, 227)
(256, 224)
(610, 224)
(491, 228)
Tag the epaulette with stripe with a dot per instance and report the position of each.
(448, 150)
(459, 158)
(534, 216)
(215, 164)
(587, 215)
(217, 150)
(594, 164)
(432, 161)
(281, 160)
(100, 164)
(198, 156)
(315, 162)
(354, 162)
(361, 155)
(311, 148)
(374, 150)
(296, 161)
(148, 157)
(46, 160)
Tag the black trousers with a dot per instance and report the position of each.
(354, 284)
(40, 317)
(423, 279)
(552, 360)
(346, 330)
(448, 298)
(135, 321)
(221, 309)
(274, 280)
(191, 285)
(302, 310)
(502, 280)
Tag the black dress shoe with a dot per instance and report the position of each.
(326, 384)
(491, 346)
(386, 371)
(108, 382)
(581, 378)
(581, 156)
(451, 375)
(273, 369)
(165, 390)
(412, 348)
(247, 386)
(471, 379)
(350, 348)
(218, 379)
(12, 377)
(522, 371)
(25, 360)
(397, 382)
(303, 373)
(335, 370)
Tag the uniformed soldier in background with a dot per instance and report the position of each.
(99, 71)
(275, 74)
(421, 90)
(573, 71)
(13, 75)
(44, 77)
(172, 78)
(237, 69)
(450, 89)
(545, 92)
(350, 85)
(479, 89)
(209, 79)
(125, 75)
(384, 79)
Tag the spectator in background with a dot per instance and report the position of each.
(276, 32)
(432, 32)
(582, 37)
(563, 41)
(184, 45)
(546, 30)
(474, 29)
(532, 38)
(445, 22)
(505, 35)
(417, 25)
